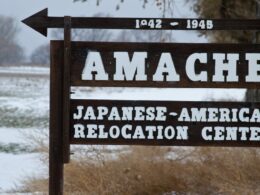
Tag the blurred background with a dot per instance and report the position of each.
(24, 106)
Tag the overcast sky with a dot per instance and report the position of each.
(29, 39)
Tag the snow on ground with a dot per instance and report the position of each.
(24, 104)
(17, 135)
(25, 70)
(30, 106)
(14, 167)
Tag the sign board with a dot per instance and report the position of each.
(147, 65)
(165, 65)
(165, 123)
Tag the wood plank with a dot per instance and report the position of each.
(179, 52)
(55, 143)
(66, 89)
(224, 124)
(41, 21)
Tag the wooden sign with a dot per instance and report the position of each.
(41, 22)
(164, 123)
(147, 65)
(165, 65)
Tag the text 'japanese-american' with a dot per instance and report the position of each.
(164, 123)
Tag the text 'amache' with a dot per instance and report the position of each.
(136, 67)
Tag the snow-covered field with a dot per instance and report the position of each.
(24, 110)
(24, 107)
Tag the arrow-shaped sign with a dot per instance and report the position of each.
(41, 22)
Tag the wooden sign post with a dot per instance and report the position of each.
(56, 132)
(159, 65)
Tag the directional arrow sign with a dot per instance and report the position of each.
(41, 22)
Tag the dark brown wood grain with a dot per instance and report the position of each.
(130, 23)
(195, 128)
(41, 22)
(68, 60)
(66, 88)
(55, 148)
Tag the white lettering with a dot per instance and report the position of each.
(79, 131)
(205, 133)
(128, 70)
(190, 67)
(94, 66)
(78, 115)
(253, 67)
(166, 69)
(230, 66)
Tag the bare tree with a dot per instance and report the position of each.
(230, 9)
(41, 55)
(144, 36)
(10, 51)
(227, 9)
(86, 34)
(165, 6)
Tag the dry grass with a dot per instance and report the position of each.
(153, 170)
(139, 171)
(225, 171)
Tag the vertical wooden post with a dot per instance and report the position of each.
(257, 40)
(66, 88)
(59, 148)
(55, 145)
(257, 36)
(253, 95)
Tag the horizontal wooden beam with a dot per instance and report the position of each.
(41, 21)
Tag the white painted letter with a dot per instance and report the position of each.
(242, 113)
(219, 133)
(166, 67)
(198, 114)
(255, 134)
(128, 70)
(182, 133)
(230, 66)
(255, 116)
(205, 133)
(124, 130)
(150, 130)
(169, 132)
(253, 67)
(78, 115)
(92, 131)
(190, 67)
(161, 111)
(94, 65)
(102, 111)
(79, 131)
(138, 134)
(184, 116)
(90, 115)
(114, 132)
